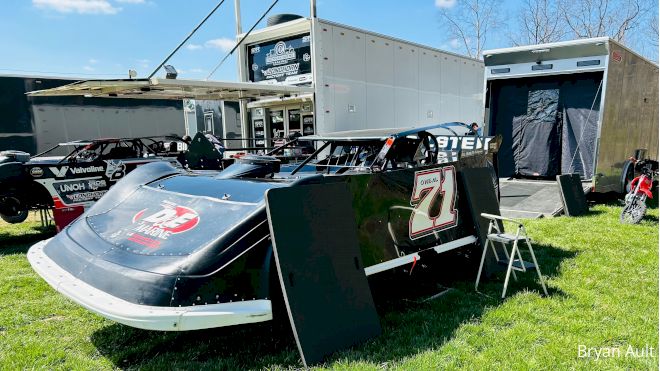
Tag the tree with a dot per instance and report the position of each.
(594, 18)
(539, 22)
(468, 22)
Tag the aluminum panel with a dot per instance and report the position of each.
(630, 117)
(381, 106)
(350, 104)
(406, 66)
(349, 49)
(379, 61)
(451, 102)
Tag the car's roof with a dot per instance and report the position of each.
(111, 140)
(380, 134)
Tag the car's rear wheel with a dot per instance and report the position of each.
(13, 210)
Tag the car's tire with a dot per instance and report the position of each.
(15, 211)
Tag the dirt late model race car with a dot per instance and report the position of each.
(173, 250)
(71, 176)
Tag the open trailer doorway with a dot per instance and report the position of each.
(548, 124)
(574, 107)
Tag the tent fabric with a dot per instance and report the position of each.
(537, 135)
(548, 124)
(580, 126)
(509, 103)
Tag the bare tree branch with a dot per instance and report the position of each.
(469, 22)
(538, 22)
(594, 18)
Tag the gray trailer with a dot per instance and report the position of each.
(582, 106)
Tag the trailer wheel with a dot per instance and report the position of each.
(14, 211)
(627, 176)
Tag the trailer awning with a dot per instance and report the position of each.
(158, 88)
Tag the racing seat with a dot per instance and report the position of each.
(513, 260)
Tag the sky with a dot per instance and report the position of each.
(106, 38)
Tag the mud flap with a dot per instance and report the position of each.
(481, 198)
(327, 296)
(572, 194)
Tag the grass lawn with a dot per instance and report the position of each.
(602, 277)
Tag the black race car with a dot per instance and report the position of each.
(174, 250)
(71, 176)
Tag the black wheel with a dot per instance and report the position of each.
(627, 176)
(14, 211)
(633, 212)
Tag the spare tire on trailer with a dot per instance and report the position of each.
(282, 18)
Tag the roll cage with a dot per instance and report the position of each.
(114, 148)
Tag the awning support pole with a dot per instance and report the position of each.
(186, 39)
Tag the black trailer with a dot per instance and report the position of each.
(34, 124)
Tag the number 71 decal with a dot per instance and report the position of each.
(429, 185)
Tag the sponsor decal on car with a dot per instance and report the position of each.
(464, 143)
(60, 172)
(150, 228)
(81, 190)
(115, 170)
(37, 172)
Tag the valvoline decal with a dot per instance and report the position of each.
(150, 226)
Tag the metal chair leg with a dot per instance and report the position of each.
(506, 254)
(536, 264)
(481, 265)
(509, 268)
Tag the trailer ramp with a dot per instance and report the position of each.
(520, 198)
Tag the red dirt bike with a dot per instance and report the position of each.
(639, 189)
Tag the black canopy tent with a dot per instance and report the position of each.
(548, 124)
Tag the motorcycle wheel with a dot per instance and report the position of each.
(18, 211)
(633, 212)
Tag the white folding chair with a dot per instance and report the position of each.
(513, 260)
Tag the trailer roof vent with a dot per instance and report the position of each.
(592, 62)
(281, 18)
(541, 67)
(499, 70)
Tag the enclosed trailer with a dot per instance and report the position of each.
(312, 76)
(361, 80)
(34, 124)
(581, 106)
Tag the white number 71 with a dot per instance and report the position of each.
(429, 185)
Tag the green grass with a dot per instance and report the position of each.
(602, 277)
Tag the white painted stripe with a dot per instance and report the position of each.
(407, 259)
(455, 244)
(381, 267)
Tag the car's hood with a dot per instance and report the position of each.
(137, 243)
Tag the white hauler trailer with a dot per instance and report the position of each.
(311, 76)
(581, 106)
(360, 80)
